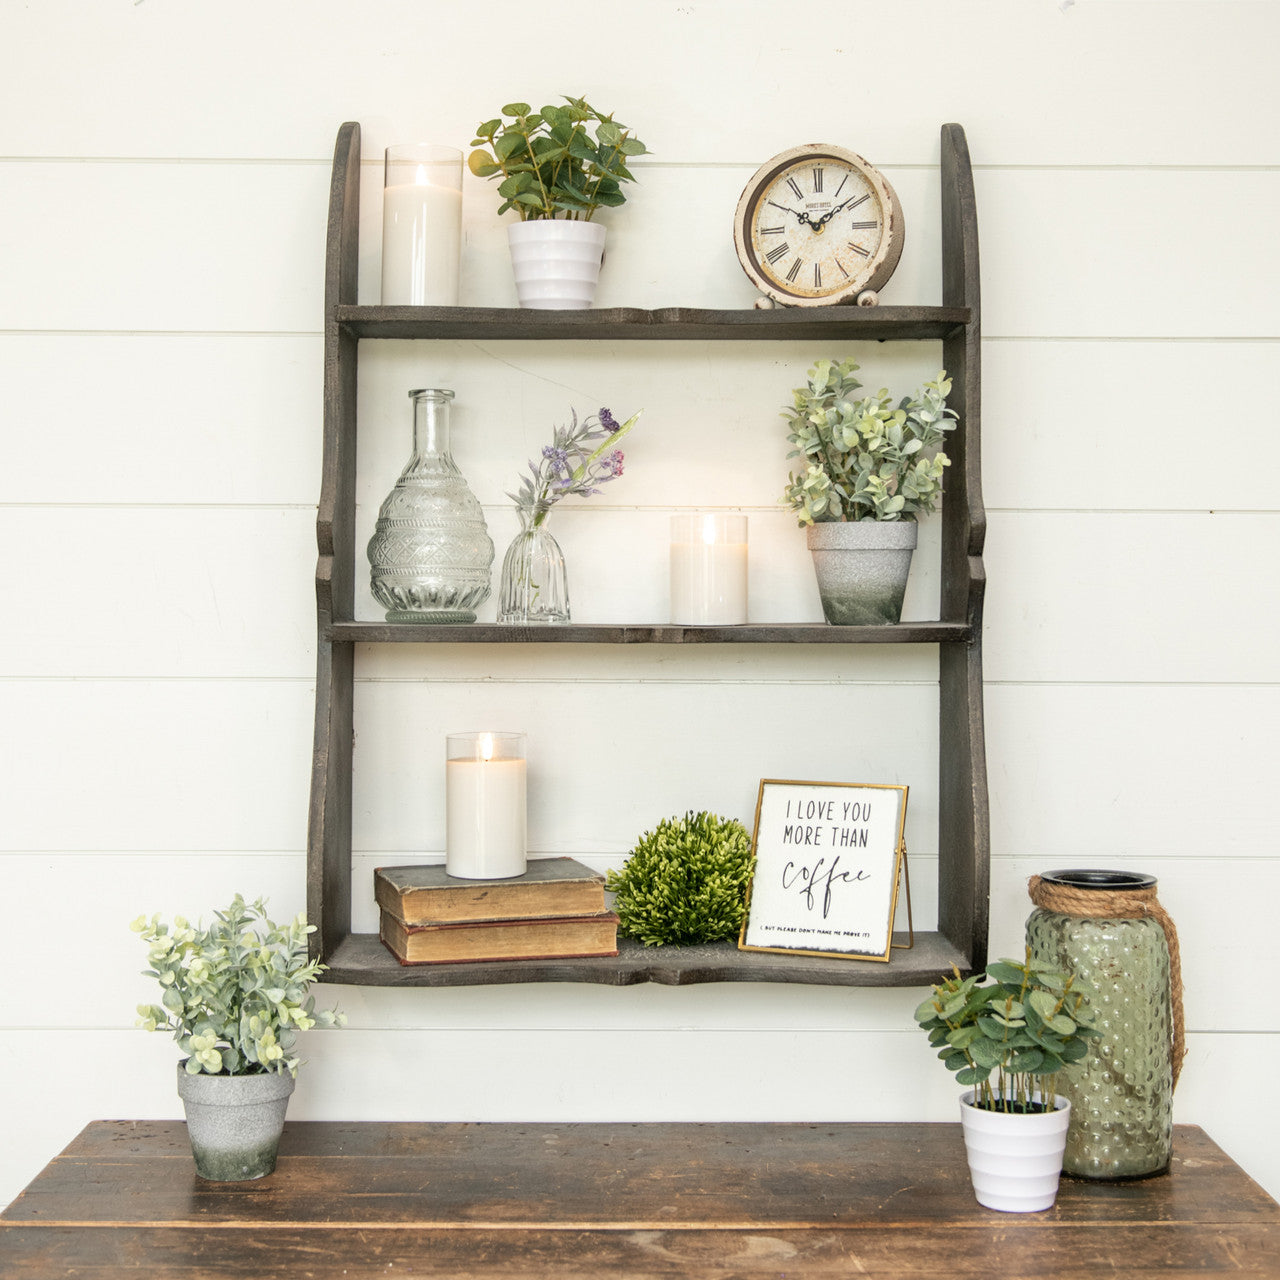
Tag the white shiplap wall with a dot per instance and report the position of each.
(164, 176)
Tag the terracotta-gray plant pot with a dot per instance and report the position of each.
(234, 1122)
(862, 568)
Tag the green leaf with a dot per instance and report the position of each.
(924, 1011)
(1044, 1004)
(509, 145)
(512, 186)
(973, 1075)
(987, 1053)
(481, 164)
(516, 109)
(1007, 972)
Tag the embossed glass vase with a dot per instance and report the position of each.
(430, 554)
(1122, 1093)
(534, 586)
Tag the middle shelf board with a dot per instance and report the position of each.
(648, 633)
(662, 325)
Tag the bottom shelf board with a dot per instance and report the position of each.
(362, 960)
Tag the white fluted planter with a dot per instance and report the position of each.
(1015, 1161)
(556, 263)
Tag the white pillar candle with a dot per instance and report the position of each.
(485, 790)
(709, 570)
(421, 226)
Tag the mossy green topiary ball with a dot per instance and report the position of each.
(685, 882)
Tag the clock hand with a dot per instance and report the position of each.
(802, 214)
(831, 213)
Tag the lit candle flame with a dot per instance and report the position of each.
(485, 746)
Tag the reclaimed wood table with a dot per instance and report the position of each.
(616, 1200)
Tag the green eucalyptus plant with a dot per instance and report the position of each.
(235, 993)
(1008, 1040)
(865, 458)
(685, 881)
(560, 162)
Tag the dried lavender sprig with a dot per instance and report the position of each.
(566, 467)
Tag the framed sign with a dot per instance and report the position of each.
(829, 859)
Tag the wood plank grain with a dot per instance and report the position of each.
(633, 1177)
(984, 1248)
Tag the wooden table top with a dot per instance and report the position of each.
(561, 1201)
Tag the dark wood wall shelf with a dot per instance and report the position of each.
(960, 938)
(648, 633)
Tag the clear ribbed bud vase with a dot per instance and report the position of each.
(534, 586)
(431, 554)
(1108, 929)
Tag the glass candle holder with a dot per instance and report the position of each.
(421, 225)
(485, 799)
(709, 569)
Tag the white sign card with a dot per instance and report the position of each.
(828, 860)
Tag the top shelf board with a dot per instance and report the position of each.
(664, 325)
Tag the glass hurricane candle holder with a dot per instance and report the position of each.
(709, 569)
(421, 225)
(485, 805)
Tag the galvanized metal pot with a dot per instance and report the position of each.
(234, 1122)
(862, 568)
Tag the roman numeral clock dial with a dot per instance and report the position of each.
(818, 225)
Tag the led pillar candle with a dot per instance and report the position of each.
(421, 225)
(485, 805)
(709, 570)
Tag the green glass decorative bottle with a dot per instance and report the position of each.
(1107, 928)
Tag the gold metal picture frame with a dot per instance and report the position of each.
(830, 859)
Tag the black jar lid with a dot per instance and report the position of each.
(1112, 881)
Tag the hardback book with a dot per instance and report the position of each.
(429, 895)
(563, 937)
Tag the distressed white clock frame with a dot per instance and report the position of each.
(875, 272)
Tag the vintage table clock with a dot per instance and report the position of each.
(818, 225)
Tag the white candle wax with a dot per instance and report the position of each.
(421, 238)
(485, 818)
(709, 572)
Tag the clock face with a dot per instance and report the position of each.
(818, 225)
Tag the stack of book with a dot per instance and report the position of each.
(555, 910)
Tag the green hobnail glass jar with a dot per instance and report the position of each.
(1122, 1093)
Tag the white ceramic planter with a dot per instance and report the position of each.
(556, 263)
(1015, 1161)
(234, 1122)
(862, 568)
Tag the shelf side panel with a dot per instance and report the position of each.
(329, 820)
(964, 822)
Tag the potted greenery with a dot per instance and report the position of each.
(685, 882)
(235, 997)
(1009, 1041)
(558, 166)
(870, 470)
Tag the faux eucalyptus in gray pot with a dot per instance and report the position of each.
(870, 470)
(235, 996)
